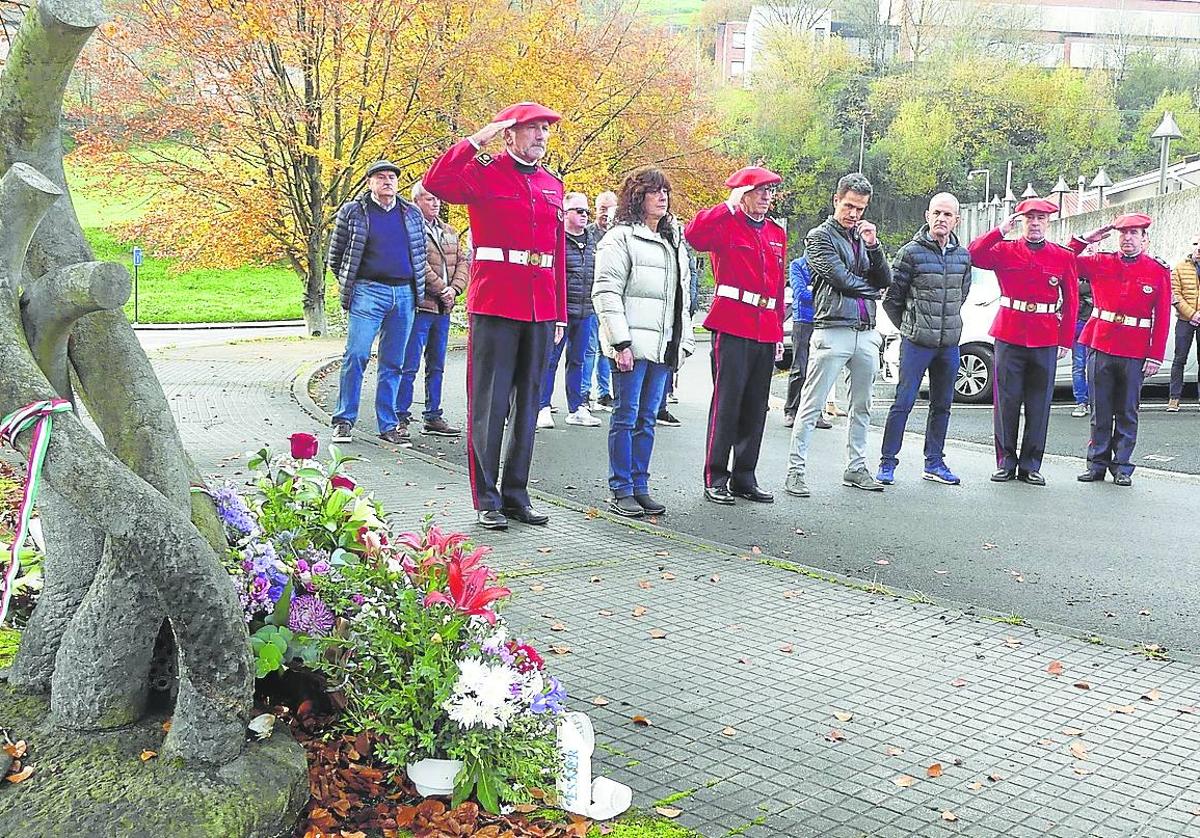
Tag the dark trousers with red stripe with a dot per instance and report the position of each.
(741, 370)
(505, 362)
(1024, 377)
(1115, 390)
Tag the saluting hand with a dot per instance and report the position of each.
(870, 236)
(485, 134)
(1097, 234)
(736, 195)
(1009, 224)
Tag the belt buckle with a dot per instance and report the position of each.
(535, 258)
(1030, 307)
(1119, 319)
(762, 301)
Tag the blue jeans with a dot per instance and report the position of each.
(1079, 382)
(915, 360)
(386, 311)
(576, 341)
(430, 332)
(596, 364)
(631, 430)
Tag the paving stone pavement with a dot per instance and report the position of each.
(778, 704)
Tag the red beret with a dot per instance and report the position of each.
(526, 112)
(1131, 221)
(752, 176)
(1036, 205)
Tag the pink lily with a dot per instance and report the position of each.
(469, 593)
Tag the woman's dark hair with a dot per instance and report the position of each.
(632, 196)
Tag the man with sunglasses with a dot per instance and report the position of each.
(581, 318)
(746, 320)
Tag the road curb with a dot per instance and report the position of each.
(300, 387)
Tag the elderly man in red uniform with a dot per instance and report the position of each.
(746, 320)
(516, 299)
(1126, 336)
(1035, 326)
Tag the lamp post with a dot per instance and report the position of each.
(1029, 192)
(987, 182)
(1166, 131)
(1060, 189)
(995, 209)
(1101, 181)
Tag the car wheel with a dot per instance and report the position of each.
(973, 385)
(785, 363)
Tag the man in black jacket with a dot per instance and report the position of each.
(850, 273)
(931, 277)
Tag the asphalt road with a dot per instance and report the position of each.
(1106, 561)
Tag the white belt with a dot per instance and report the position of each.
(517, 257)
(750, 297)
(1122, 319)
(1028, 307)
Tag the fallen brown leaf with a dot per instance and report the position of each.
(995, 778)
(17, 750)
(975, 786)
(668, 576)
(792, 594)
(1072, 731)
(729, 731)
(1012, 642)
(600, 701)
(893, 751)
(1082, 685)
(559, 626)
(641, 721)
(1152, 695)
(592, 512)
(606, 613)
(834, 735)
(21, 776)
(743, 660)
(657, 634)
(958, 682)
(166, 726)
(669, 812)
(596, 579)
(561, 650)
(882, 561)
(1079, 750)
(904, 781)
(1055, 668)
(1046, 743)
(1082, 770)
(716, 577)
(756, 550)
(640, 610)
(949, 816)
(1121, 708)
(934, 770)
(662, 553)
(645, 584)
(147, 755)
(843, 715)
(787, 648)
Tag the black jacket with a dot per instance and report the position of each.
(581, 272)
(844, 271)
(928, 290)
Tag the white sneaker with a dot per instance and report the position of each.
(582, 417)
(545, 420)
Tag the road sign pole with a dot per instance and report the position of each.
(137, 263)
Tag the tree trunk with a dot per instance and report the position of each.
(314, 293)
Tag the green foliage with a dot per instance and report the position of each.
(919, 147)
(10, 639)
(269, 645)
(501, 765)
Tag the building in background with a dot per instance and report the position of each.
(731, 50)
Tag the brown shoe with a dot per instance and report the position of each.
(438, 426)
(397, 436)
(1172, 405)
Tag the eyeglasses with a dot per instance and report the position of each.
(579, 210)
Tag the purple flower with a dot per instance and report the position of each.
(232, 510)
(321, 568)
(301, 566)
(259, 588)
(550, 701)
(310, 615)
(358, 599)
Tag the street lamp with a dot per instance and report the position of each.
(1166, 131)
(996, 209)
(1060, 189)
(1101, 181)
(1029, 192)
(987, 183)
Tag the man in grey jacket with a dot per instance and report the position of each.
(931, 277)
(850, 273)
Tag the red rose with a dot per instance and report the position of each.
(341, 481)
(304, 446)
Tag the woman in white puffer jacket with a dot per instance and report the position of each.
(641, 295)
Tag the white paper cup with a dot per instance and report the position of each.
(609, 798)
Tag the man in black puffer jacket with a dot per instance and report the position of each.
(931, 276)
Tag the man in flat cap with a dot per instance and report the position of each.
(377, 253)
(746, 320)
(850, 273)
(1126, 338)
(516, 299)
(1034, 327)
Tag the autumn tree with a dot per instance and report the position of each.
(125, 549)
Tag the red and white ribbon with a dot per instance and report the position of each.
(39, 417)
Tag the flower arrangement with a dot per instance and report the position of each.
(403, 625)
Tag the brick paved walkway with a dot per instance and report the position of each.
(779, 704)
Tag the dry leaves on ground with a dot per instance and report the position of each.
(729, 731)
(657, 634)
(934, 770)
(1055, 668)
(1079, 750)
(669, 812)
(843, 715)
(893, 751)
(904, 781)
(645, 584)
(958, 682)
(640, 610)
(834, 735)
(641, 721)
(1152, 695)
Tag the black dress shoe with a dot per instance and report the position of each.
(718, 494)
(1002, 475)
(650, 505)
(527, 515)
(1091, 477)
(1122, 480)
(626, 507)
(1033, 478)
(755, 494)
(492, 519)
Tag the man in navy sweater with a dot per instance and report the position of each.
(377, 252)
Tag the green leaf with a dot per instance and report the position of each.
(486, 789)
(269, 659)
(283, 608)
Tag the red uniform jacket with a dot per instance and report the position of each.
(748, 259)
(1130, 290)
(510, 211)
(1039, 276)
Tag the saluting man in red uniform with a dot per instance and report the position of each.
(746, 320)
(1034, 327)
(516, 299)
(1126, 336)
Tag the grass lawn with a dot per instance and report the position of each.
(165, 295)
(9, 638)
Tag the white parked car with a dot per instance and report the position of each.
(976, 367)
